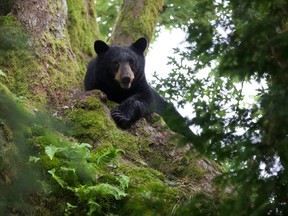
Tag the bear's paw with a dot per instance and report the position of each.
(121, 119)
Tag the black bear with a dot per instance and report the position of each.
(118, 71)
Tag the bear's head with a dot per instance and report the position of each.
(124, 64)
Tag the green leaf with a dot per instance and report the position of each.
(68, 169)
(51, 150)
(93, 206)
(107, 155)
(33, 159)
(84, 145)
(2, 73)
(70, 205)
(60, 181)
(69, 208)
(124, 181)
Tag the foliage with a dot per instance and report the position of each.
(84, 174)
(177, 13)
(106, 16)
(70, 171)
(239, 42)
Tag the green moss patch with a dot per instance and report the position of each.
(17, 61)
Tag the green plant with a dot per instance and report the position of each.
(83, 174)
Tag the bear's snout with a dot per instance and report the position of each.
(125, 79)
(124, 76)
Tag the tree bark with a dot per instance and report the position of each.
(136, 19)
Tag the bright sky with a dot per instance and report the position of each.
(156, 59)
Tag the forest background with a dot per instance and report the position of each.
(62, 154)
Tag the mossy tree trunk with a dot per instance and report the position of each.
(136, 19)
(60, 36)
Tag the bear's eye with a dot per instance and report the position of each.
(131, 61)
(115, 64)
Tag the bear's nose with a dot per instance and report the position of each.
(125, 79)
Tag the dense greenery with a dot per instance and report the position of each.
(38, 161)
(238, 42)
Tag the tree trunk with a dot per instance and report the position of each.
(136, 19)
(61, 34)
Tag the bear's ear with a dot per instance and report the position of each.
(100, 47)
(141, 44)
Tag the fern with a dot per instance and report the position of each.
(86, 174)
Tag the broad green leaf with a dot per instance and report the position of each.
(51, 150)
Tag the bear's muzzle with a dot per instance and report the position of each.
(124, 76)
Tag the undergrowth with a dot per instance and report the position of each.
(85, 181)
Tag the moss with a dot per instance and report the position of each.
(46, 64)
(18, 61)
(148, 189)
(83, 29)
(143, 23)
(61, 72)
(148, 193)
(150, 15)
(7, 151)
(55, 70)
(90, 119)
(12, 36)
(92, 124)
